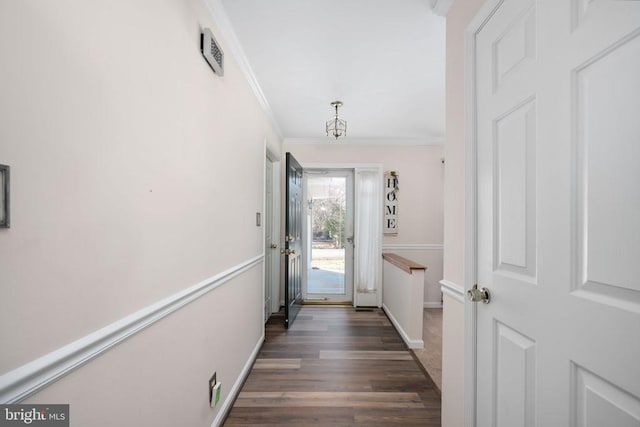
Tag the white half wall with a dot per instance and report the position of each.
(401, 301)
(431, 257)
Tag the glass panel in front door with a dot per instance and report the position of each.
(328, 206)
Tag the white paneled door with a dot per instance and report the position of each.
(556, 119)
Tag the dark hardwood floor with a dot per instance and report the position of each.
(335, 367)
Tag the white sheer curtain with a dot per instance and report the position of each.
(368, 230)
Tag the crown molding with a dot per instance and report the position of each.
(366, 141)
(441, 7)
(221, 19)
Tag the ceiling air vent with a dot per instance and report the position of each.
(212, 52)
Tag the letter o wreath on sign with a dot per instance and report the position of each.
(391, 203)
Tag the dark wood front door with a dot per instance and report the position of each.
(293, 241)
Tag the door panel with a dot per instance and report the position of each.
(514, 395)
(293, 240)
(606, 83)
(514, 177)
(600, 403)
(558, 236)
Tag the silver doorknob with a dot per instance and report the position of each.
(475, 295)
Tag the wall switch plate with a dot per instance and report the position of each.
(258, 219)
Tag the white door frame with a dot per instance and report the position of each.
(275, 229)
(471, 212)
(349, 176)
(354, 167)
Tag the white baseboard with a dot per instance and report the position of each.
(432, 305)
(410, 343)
(364, 299)
(34, 376)
(235, 390)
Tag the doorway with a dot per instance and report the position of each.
(271, 225)
(328, 236)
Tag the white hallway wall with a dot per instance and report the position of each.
(135, 174)
(458, 19)
(420, 229)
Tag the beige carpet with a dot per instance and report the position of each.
(431, 356)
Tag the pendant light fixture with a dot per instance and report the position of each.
(336, 127)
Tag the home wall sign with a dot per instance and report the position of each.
(391, 203)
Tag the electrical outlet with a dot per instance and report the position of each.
(216, 393)
(212, 384)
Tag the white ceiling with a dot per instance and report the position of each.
(385, 59)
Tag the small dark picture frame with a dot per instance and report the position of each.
(4, 196)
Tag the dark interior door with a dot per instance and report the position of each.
(293, 241)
